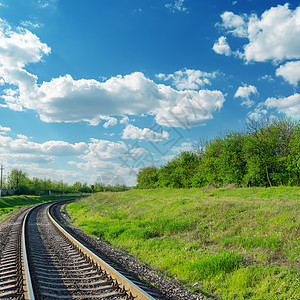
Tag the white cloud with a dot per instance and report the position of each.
(62, 148)
(290, 72)
(188, 79)
(103, 150)
(25, 158)
(244, 92)
(177, 5)
(132, 132)
(266, 77)
(29, 24)
(110, 161)
(4, 130)
(185, 146)
(275, 35)
(100, 156)
(222, 47)
(257, 114)
(47, 3)
(289, 106)
(50, 148)
(35, 170)
(110, 122)
(64, 99)
(124, 120)
(234, 23)
(193, 108)
(18, 48)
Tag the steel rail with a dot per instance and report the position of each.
(121, 280)
(29, 294)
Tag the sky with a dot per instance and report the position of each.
(92, 91)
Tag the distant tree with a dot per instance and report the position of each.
(116, 188)
(99, 187)
(19, 180)
(77, 186)
(266, 153)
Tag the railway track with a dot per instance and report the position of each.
(39, 260)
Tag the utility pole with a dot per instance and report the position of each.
(17, 179)
(1, 181)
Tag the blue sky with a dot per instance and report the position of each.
(92, 91)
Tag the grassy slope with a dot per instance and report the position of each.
(11, 203)
(231, 243)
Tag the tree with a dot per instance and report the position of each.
(19, 180)
(208, 172)
(179, 172)
(293, 158)
(267, 150)
(231, 162)
(147, 178)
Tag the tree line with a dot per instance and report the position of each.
(21, 184)
(264, 153)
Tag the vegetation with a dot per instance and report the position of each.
(23, 185)
(266, 153)
(230, 243)
(11, 203)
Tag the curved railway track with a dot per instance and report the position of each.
(39, 260)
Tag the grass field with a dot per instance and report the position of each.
(230, 243)
(11, 203)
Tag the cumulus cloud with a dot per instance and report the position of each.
(64, 99)
(103, 150)
(110, 160)
(235, 24)
(290, 72)
(26, 158)
(51, 148)
(275, 35)
(18, 48)
(289, 106)
(132, 132)
(188, 79)
(193, 108)
(222, 47)
(4, 130)
(245, 92)
(110, 122)
(101, 156)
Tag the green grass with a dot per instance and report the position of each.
(230, 243)
(12, 203)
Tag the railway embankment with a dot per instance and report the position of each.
(230, 243)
